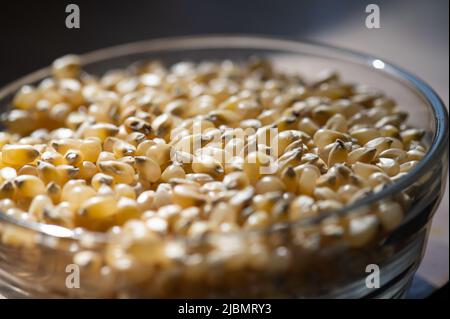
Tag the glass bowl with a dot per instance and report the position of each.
(302, 260)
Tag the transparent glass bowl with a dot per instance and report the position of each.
(303, 261)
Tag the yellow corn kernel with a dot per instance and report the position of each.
(285, 138)
(257, 220)
(323, 137)
(120, 172)
(28, 170)
(338, 153)
(29, 186)
(390, 214)
(90, 148)
(73, 157)
(48, 173)
(236, 180)
(207, 165)
(347, 191)
(362, 154)
(162, 125)
(105, 156)
(67, 172)
(67, 188)
(407, 166)
(19, 154)
(135, 124)
(158, 225)
(337, 123)
(124, 190)
(361, 230)
(147, 169)
(160, 153)
(54, 192)
(364, 135)
(145, 200)
(63, 145)
(121, 149)
(100, 130)
(53, 158)
(67, 66)
(39, 205)
(410, 135)
(26, 97)
(325, 193)
(255, 164)
(77, 195)
(172, 171)
(97, 213)
(269, 184)
(380, 144)
(127, 209)
(414, 155)
(7, 174)
(6, 204)
(143, 147)
(187, 196)
(100, 179)
(87, 170)
(135, 138)
(365, 170)
(18, 237)
(388, 165)
(307, 181)
(389, 131)
(7, 190)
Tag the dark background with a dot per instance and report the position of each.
(33, 33)
(414, 34)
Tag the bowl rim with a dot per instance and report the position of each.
(277, 43)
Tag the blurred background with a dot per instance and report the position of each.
(414, 34)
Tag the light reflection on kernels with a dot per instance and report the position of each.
(199, 148)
